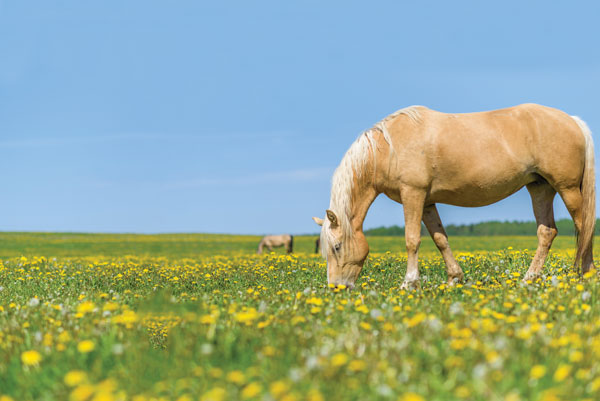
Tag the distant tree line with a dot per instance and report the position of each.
(564, 226)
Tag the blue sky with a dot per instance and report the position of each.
(188, 116)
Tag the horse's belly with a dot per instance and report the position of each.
(478, 193)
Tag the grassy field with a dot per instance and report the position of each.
(200, 245)
(201, 317)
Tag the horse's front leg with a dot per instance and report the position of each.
(434, 225)
(413, 201)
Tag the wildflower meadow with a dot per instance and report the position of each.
(193, 317)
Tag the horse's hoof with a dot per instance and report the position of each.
(410, 285)
(453, 280)
(530, 277)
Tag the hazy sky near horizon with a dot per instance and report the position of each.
(196, 116)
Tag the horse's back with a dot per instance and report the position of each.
(277, 240)
(473, 159)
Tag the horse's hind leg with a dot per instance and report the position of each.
(574, 202)
(542, 196)
(432, 221)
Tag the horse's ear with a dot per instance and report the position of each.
(318, 221)
(332, 218)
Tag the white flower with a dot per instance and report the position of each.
(455, 308)
(118, 349)
(385, 391)
(206, 349)
(479, 371)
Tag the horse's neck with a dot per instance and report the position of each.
(363, 195)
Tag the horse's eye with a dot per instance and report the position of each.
(337, 247)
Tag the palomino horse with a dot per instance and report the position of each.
(271, 241)
(420, 157)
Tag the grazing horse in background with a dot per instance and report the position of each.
(419, 157)
(317, 244)
(271, 241)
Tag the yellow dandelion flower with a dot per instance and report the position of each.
(82, 393)
(86, 346)
(562, 372)
(537, 371)
(411, 397)
(207, 319)
(462, 392)
(278, 388)
(110, 306)
(85, 307)
(64, 337)
(388, 327)
(236, 376)
(595, 384)
(215, 394)
(576, 356)
(357, 365)
(251, 390)
(416, 319)
(297, 319)
(75, 378)
(549, 395)
(363, 309)
(103, 396)
(128, 317)
(269, 350)
(339, 359)
(492, 356)
(365, 326)
(314, 395)
(247, 316)
(31, 358)
(314, 301)
(108, 385)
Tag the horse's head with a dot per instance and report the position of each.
(345, 252)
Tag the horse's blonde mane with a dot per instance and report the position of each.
(352, 164)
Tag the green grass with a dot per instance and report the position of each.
(198, 245)
(202, 317)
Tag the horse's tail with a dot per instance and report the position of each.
(585, 238)
(291, 246)
(260, 246)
